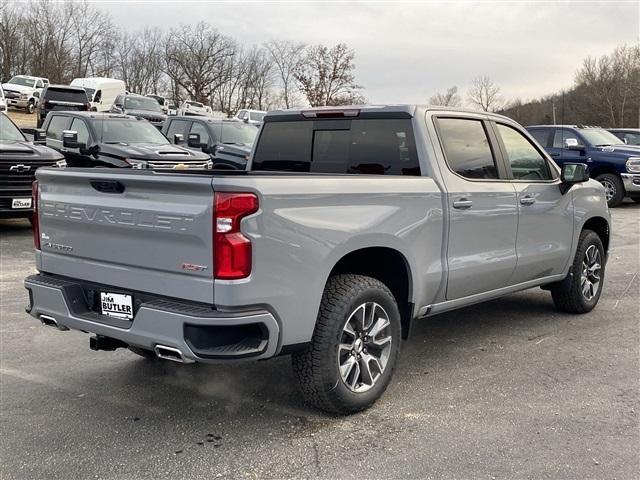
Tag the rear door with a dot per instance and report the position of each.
(482, 206)
(545, 215)
(134, 230)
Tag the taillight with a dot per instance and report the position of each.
(35, 223)
(232, 250)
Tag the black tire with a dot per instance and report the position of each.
(568, 295)
(613, 184)
(143, 352)
(317, 367)
(31, 108)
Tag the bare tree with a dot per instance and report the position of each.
(287, 57)
(485, 94)
(11, 41)
(196, 59)
(326, 77)
(450, 98)
(91, 30)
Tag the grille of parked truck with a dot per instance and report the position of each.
(19, 160)
(350, 224)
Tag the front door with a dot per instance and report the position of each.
(545, 220)
(481, 252)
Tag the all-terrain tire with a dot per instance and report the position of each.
(568, 294)
(613, 184)
(318, 367)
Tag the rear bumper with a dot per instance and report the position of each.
(200, 333)
(631, 183)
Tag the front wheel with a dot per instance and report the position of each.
(580, 291)
(355, 346)
(31, 108)
(613, 188)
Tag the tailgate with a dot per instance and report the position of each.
(134, 230)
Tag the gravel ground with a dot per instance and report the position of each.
(509, 389)
(23, 119)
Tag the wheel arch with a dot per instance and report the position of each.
(387, 265)
(600, 226)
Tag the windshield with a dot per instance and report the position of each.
(256, 116)
(142, 103)
(25, 82)
(238, 133)
(8, 131)
(129, 131)
(90, 92)
(157, 98)
(196, 104)
(599, 137)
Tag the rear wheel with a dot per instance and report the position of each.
(354, 348)
(580, 291)
(613, 187)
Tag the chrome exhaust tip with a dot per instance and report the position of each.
(49, 321)
(170, 353)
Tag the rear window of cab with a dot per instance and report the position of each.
(353, 146)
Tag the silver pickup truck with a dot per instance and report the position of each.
(349, 224)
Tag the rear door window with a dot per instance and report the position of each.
(359, 146)
(541, 135)
(57, 124)
(467, 148)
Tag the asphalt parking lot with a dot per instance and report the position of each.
(509, 389)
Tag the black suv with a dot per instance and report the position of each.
(89, 139)
(228, 142)
(141, 107)
(19, 160)
(61, 98)
(630, 136)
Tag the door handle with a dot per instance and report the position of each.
(463, 204)
(527, 201)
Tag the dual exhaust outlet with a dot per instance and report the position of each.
(100, 342)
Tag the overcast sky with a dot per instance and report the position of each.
(407, 51)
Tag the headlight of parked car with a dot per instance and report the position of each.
(633, 165)
(137, 164)
(61, 163)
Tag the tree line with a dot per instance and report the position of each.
(63, 41)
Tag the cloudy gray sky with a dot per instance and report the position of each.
(406, 51)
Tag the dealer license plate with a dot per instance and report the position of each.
(21, 203)
(116, 305)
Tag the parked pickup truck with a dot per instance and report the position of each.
(349, 224)
(612, 162)
(19, 159)
(91, 139)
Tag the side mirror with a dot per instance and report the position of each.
(572, 144)
(36, 94)
(193, 140)
(574, 173)
(117, 107)
(39, 136)
(246, 119)
(178, 138)
(70, 139)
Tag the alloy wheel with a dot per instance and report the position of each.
(365, 346)
(609, 189)
(590, 276)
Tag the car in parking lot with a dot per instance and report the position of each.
(101, 91)
(254, 117)
(162, 101)
(23, 91)
(19, 160)
(612, 162)
(349, 224)
(141, 107)
(227, 141)
(3, 101)
(630, 136)
(191, 107)
(90, 139)
(61, 98)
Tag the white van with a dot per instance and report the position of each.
(101, 91)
